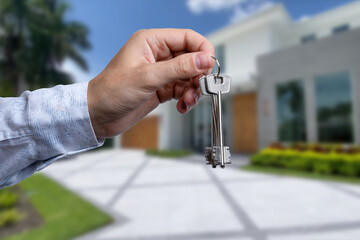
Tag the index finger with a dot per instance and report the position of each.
(176, 40)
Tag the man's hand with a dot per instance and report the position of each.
(153, 67)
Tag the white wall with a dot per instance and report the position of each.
(272, 30)
(322, 24)
(242, 50)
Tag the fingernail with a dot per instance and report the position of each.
(202, 61)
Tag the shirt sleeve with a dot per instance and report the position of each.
(42, 126)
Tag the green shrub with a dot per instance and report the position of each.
(9, 217)
(267, 157)
(302, 161)
(7, 199)
(350, 166)
(322, 159)
(322, 165)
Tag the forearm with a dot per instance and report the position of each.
(40, 127)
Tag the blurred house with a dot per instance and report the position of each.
(292, 82)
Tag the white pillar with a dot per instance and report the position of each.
(117, 142)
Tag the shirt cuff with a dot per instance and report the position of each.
(60, 122)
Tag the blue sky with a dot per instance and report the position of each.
(112, 22)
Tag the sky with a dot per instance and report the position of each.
(112, 22)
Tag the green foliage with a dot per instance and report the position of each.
(65, 214)
(321, 159)
(168, 153)
(9, 217)
(35, 39)
(7, 199)
(8, 214)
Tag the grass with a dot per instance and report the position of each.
(168, 153)
(65, 214)
(302, 174)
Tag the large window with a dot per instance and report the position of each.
(291, 111)
(341, 29)
(308, 38)
(334, 107)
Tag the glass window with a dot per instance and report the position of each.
(291, 111)
(308, 38)
(334, 107)
(340, 29)
(220, 56)
(201, 129)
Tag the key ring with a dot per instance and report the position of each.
(218, 65)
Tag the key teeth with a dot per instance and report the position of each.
(212, 156)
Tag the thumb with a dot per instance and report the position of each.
(181, 67)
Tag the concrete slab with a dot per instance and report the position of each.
(233, 174)
(96, 179)
(99, 196)
(166, 199)
(331, 235)
(155, 173)
(291, 202)
(173, 210)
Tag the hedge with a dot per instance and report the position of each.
(324, 159)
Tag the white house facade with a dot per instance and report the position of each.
(292, 81)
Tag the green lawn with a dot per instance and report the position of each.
(294, 173)
(65, 214)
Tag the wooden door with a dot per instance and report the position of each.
(143, 135)
(245, 123)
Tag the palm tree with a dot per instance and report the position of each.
(12, 38)
(45, 39)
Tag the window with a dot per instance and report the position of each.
(341, 29)
(308, 38)
(220, 56)
(201, 126)
(334, 107)
(291, 111)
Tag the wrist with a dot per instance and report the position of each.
(91, 102)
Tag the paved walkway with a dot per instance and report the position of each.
(157, 199)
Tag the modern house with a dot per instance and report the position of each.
(292, 82)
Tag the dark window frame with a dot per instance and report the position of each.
(308, 38)
(291, 128)
(341, 28)
(328, 114)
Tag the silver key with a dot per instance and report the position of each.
(215, 85)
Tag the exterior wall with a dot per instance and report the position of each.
(241, 52)
(330, 55)
(262, 34)
(322, 24)
(172, 127)
(245, 40)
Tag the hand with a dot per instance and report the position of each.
(153, 67)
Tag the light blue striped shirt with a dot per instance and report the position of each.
(42, 126)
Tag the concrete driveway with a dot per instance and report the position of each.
(152, 198)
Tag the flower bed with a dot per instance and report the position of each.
(324, 159)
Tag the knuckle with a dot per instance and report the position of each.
(146, 78)
(140, 32)
(190, 31)
(183, 66)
